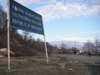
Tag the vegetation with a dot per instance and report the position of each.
(92, 46)
(26, 45)
(36, 65)
(19, 44)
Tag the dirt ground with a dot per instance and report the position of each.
(36, 65)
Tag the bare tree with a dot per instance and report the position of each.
(25, 35)
(55, 47)
(89, 46)
(3, 18)
(39, 43)
(97, 44)
(3, 21)
(63, 46)
(39, 40)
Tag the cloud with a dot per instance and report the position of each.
(69, 41)
(35, 1)
(71, 38)
(75, 0)
(95, 1)
(61, 10)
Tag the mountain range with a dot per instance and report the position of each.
(69, 44)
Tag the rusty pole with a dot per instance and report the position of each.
(46, 50)
(45, 45)
(8, 38)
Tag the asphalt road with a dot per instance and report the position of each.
(83, 58)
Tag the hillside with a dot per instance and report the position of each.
(19, 44)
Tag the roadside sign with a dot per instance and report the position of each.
(24, 18)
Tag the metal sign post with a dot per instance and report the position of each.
(19, 16)
(46, 50)
(8, 38)
(45, 44)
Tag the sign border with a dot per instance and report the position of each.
(30, 10)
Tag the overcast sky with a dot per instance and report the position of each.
(69, 20)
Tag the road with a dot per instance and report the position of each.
(83, 58)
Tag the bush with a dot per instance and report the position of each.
(62, 59)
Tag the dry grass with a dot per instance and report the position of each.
(36, 65)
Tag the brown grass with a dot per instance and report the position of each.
(36, 65)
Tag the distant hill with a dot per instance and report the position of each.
(69, 44)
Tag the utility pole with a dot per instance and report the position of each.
(75, 44)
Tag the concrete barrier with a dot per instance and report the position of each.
(93, 69)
